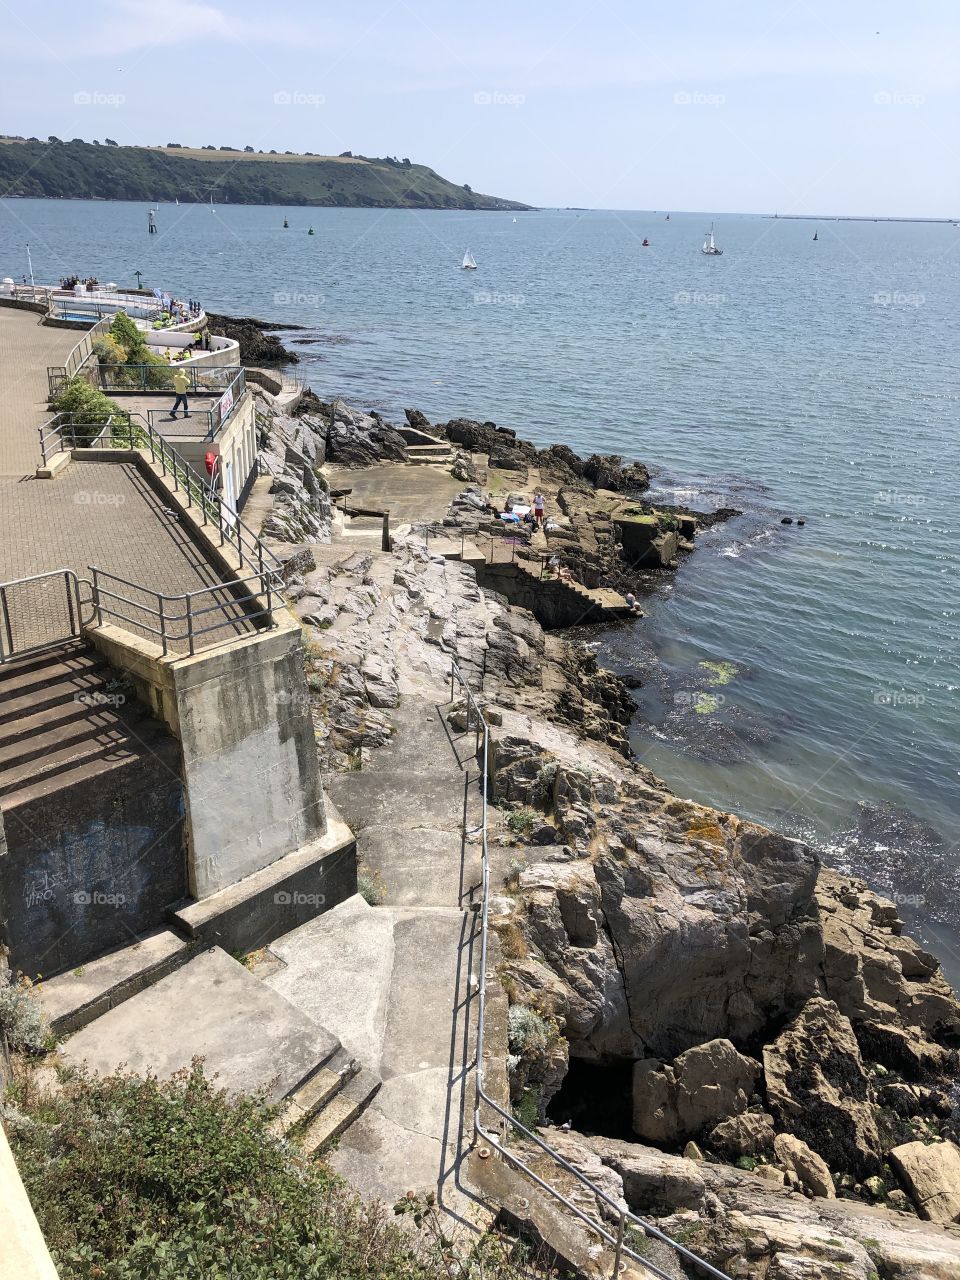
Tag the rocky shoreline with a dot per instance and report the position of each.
(784, 1056)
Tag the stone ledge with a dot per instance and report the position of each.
(73, 999)
(263, 906)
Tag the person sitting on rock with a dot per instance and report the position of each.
(633, 604)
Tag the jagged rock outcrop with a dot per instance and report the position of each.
(751, 1227)
(356, 439)
(806, 1166)
(292, 451)
(257, 345)
(817, 1088)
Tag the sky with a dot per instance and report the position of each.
(757, 106)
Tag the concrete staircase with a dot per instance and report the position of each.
(63, 719)
(423, 448)
(155, 1006)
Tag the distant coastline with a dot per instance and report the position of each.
(80, 170)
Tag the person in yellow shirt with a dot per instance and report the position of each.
(181, 384)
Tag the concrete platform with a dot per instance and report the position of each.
(252, 912)
(73, 999)
(248, 1035)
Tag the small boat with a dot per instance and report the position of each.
(646, 243)
(710, 245)
(176, 200)
(286, 223)
(667, 218)
(514, 219)
(816, 235)
(469, 262)
(310, 232)
(211, 203)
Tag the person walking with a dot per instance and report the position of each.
(181, 384)
(538, 507)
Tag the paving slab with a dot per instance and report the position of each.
(249, 1035)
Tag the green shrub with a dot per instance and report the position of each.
(521, 821)
(137, 1179)
(108, 350)
(22, 1020)
(125, 333)
(87, 406)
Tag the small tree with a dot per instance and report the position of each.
(110, 142)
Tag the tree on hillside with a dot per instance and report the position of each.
(110, 142)
(248, 148)
(53, 138)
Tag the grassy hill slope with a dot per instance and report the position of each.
(82, 170)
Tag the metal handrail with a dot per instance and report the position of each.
(134, 431)
(624, 1217)
(72, 589)
(168, 621)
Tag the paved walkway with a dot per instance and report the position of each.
(101, 514)
(26, 349)
(393, 981)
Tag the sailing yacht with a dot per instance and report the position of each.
(710, 245)
(469, 262)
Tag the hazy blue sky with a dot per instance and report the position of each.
(842, 106)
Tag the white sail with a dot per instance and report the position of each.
(469, 262)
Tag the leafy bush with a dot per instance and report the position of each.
(138, 1179)
(521, 821)
(22, 1020)
(529, 1033)
(125, 333)
(87, 406)
(370, 886)
(108, 350)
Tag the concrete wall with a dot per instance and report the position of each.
(248, 754)
(23, 1251)
(236, 444)
(553, 603)
(93, 864)
(249, 757)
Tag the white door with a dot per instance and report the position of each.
(229, 492)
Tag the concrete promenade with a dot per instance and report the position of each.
(103, 514)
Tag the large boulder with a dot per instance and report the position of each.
(931, 1173)
(818, 1090)
(750, 1134)
(807, 1167)
(701, 1087)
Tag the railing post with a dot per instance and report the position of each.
(66, 585)
(189, 600)
(163, 623)
(5, 610)
(619, 1253)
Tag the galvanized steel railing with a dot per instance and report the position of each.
(625, 1220)
(133, 431)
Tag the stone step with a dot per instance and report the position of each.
(58, 713)
(61, 661)
(101, 723)
(337, 1116)
(20, 702)
(82, 771)
(71, 1000)
(301, 1106)
(251, 1038)
(112, 743)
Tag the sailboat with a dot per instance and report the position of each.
(211, 203)
(710, 245)
(816, 235)
(469, 262)
(514, 219)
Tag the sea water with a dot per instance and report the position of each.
(787, 378)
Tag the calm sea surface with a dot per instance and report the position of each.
(788, 377)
